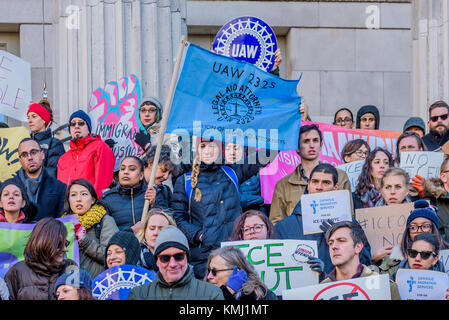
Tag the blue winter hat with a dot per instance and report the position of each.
(423, 210)
(82, 115)
(76, 277)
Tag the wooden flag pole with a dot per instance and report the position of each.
(167, 108)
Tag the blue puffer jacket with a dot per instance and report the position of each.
(52, 147)
(292, 228)
(213, 217)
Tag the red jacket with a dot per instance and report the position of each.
(89, 158)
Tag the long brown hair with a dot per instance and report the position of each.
(237, 233)
(44, 244)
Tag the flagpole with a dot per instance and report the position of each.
(167, 108)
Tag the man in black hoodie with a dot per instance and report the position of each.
(438, 125)
(368, 118)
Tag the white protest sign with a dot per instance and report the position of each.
(15, 86)
(353, 170)
(317, 207)
(384, 225)
(376, 287)
(281, 264)
(424, 163)
(444, 258)
(422, 284)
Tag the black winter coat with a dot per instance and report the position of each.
(50, 196)
(433, 140)
(213, 217)
(52, 147)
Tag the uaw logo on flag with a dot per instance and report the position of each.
(248, 39)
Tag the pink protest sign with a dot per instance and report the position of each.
(334, 139)
(113, 110)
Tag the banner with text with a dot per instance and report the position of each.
(367, 288)
(334, 140)
(281, 264)
(422, 284)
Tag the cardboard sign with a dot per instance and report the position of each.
(248, 39)
(281, 264)
(444, 258)
(384, 225)
(375, 287)
(317, 207)
(334, 140)
(15, 86)
(114, 114)
(422, 284)
(9, 154)
(353, 170)
(424, 163)
(115, 283)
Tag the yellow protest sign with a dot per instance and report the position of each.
(9, 155)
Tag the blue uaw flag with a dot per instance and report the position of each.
(233, 101)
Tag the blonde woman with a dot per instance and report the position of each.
(155, 221)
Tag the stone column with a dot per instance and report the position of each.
(430, 62)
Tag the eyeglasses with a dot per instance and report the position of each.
(214, 271)
(150, 110)
(425, 228)
(164, 258)
(33, 153)
(435, 118)
(66, 243)
(424, 254)
(79, 123)
(341, 121)
(257, 228)
(361, 153)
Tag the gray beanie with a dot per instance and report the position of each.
(415, 122)
(154, 101)
(170, 236)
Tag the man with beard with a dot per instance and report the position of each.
(438, 126)
(44, 192)
(89, 157)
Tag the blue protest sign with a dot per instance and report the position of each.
(248, 39)
(116, 282)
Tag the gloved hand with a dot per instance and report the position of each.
(80, 232)
(250, 192)
(142, 139)
(417, 183)
(316, 264)
(326, 224)
(237, 279)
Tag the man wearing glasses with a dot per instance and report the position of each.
(175, 279)
(438, 126)
(89, 157)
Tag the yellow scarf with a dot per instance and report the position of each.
(92, 216)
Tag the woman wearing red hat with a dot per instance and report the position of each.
(40, 117)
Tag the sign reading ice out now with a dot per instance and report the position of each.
(249, 39)
(281, 264)
(317, 207)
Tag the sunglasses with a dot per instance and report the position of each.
(79, 123)
(424, 254)
(435, 118)
(164, 258)
(215, 271)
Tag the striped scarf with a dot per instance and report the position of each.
(92, 216)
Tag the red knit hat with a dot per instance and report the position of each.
(40, 111)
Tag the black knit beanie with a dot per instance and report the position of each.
(128, 242)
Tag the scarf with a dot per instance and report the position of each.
(92, 216)
(31, 184)
(370, 197)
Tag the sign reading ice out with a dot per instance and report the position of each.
(249, 39)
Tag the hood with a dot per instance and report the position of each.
(434, 188)
(159, 107)
(368, 109)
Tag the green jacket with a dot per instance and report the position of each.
(187, 288)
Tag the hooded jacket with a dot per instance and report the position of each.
(368, 109)
(52, 147)
(89, 158)
(435, 192)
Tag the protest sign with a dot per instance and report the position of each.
(416, 284)
(334, 140)
(114, 114)
(9, 154)
(281, 264)
(248, 39)
(14, 236)
(115, 283)
(317, 207)
(384, 225)
(424, 163)
(353, 170)
(375, 287)
(15, 86)
(444, 258)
